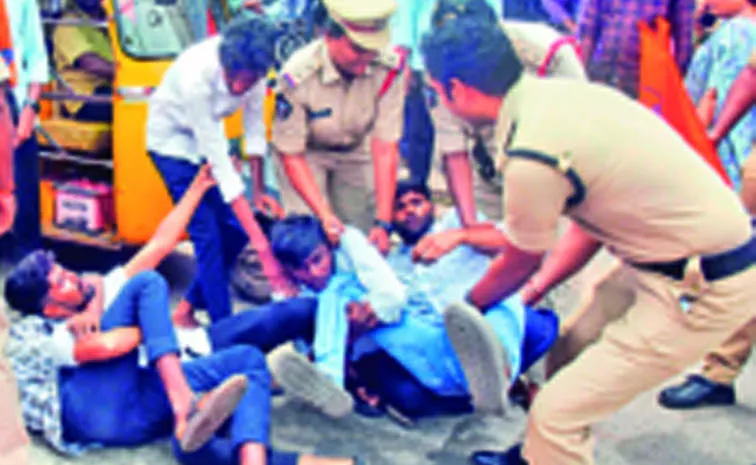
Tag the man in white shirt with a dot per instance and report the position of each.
(208, 82)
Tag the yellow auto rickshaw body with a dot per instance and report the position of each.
(146, 36)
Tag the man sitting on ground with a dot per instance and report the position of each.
(134, 405)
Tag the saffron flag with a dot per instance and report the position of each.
(662, 90)
(6, 43)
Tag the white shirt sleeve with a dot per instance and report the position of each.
(255, 143)
(211, 138)
(62, 346)
(112, 283)
(385, 293)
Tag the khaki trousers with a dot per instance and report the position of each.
(650, 341)
(724, 364)
(345, 179)
(14, 443)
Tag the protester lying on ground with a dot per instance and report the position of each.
(382, 334)
(61, 378)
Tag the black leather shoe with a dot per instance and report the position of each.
(697, 391)
(511, 457)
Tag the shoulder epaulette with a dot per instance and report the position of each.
(302, 65)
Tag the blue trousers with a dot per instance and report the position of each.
(383, 376)
(132, 407)
(268, 326)
(217, 236)
(398, 387)
(26, 228)
(417, 142)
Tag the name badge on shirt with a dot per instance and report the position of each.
(431, 96)
(284, 108)
(317, 114)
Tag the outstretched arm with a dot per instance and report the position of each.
(172, 227)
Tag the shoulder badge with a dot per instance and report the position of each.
(302, 65)
(392, 58)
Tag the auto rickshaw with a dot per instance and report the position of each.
(98, 186)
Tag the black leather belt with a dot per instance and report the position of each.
(336, 149)
(714, 267)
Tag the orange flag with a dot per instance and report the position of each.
(6, 42)
(662, 90)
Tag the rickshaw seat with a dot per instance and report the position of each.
(76, 135)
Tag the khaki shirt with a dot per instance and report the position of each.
(532, 42)
(649, 196)
(752, 61)
(318, 109)
(71, 42)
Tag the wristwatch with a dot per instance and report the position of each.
(385, 225)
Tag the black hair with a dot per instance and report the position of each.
(477, 54)
(449, 10)
(294, 238)
(27, 285)
(404, 186)
(248, 44)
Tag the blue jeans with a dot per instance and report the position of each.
(132, 407)
(398, 387)
(26, 227)
(267, 326)
(217, 236)
(417, 141)
(383, 376)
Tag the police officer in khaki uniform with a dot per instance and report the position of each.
(588, 152)
(456, 140)
(339, 119)
(715, 385)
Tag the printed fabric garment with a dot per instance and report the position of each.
(31, 351)
(715, 65)
(611, 25)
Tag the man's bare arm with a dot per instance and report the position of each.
(108, 345)
(504, 277)
(172, 227)
(573, 251)
(740, 98)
